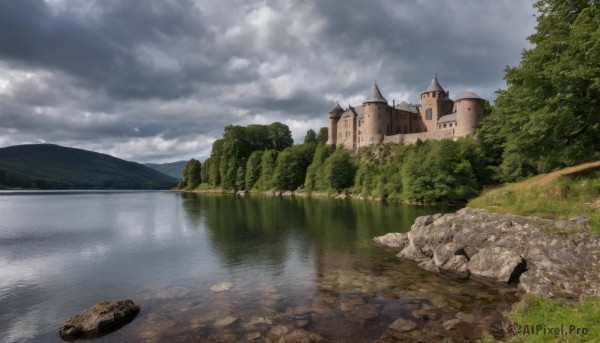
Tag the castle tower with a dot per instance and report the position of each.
(469, 112)
(334, 116)
(432, 104)
(375, 107)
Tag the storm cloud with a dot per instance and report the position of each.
(157, 81)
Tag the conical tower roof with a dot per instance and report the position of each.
(375, 95)
(467, 95)
(434, 86)
(337, 108)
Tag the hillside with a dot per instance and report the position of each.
(173, 169)
(48, 166)
(564, 193)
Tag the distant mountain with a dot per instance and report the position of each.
(48, 166)
(173, 169)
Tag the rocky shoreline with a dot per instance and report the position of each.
(283, 193)
(550, 258)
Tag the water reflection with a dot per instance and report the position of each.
(299, 269)
(337, 284)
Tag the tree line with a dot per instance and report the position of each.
(427, 171)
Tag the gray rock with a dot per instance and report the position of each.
(103, 316)
(425, 314)
(403, 325)
(495, 263)
(393, 240)
(253, 335)
(226, 321)
(221, 287)
(443, 252)
(365, 312)
(278, 330)
(302, 336)
(451, 324)
(546, 257)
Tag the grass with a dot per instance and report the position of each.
(575, 322)
(562, 194)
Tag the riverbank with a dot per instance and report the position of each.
(549, 258)
(559, 271)
(303, 194)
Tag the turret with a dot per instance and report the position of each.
(375, 107)
(432, 104)
(469, 113)
(334, 115)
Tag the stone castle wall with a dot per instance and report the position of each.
(411, 138)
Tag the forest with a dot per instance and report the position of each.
(427, 171)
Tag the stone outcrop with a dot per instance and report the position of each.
(104, 316)
(551, 258)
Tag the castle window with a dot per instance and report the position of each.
(433, 94)
(428, 114)
(444, 126)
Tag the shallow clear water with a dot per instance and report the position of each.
(291, 262)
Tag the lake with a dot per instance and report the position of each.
(291, 266)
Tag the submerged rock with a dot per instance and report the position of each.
(302, 336)
(221, 287)
(403, 325)
(100, 318)
(551, 258)
(226, 321)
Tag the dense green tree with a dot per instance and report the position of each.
(365, 177)
(322, 136)
(204, 171)
(548, 116)
(339, 170)
(439, 170)
(214, 176)
(267, 168)
(228, 158)
(253, 169)
(290, 170)
(311, 137)
(240, 179)
(280, 136)
(315, 173)
(191, 175)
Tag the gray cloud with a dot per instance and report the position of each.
(158, 80)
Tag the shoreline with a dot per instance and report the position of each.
(340, 196)
(545, 257)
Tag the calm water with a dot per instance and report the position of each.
(291, 263)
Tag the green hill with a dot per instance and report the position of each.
(564, 193)
(173, 169)
(48, 166)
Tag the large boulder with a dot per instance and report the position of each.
(104, 316)
(551, 258)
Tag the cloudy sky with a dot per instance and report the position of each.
(157, 81)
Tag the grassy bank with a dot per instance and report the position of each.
(566, 193)
(563, 194)
(541, 320)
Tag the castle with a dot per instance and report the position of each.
(376, 122)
